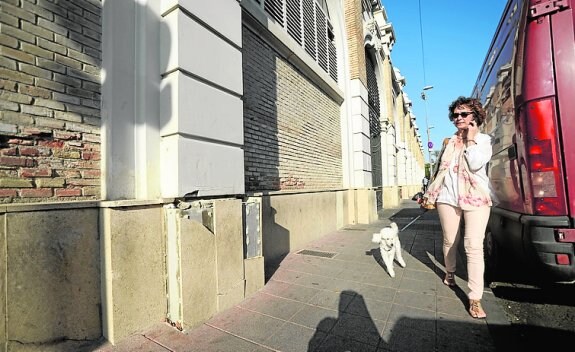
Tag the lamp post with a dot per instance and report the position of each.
(427, 128)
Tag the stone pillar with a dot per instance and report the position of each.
(201, 124)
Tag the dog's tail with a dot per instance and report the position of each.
(393, 225)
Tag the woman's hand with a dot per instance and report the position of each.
(472, 131)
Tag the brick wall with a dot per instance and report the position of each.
(291, 128)
(49, 100)
(354, 30)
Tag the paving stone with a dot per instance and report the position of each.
(318, 318)
(332, 300)
(335, 343)
(362, 329)
(273, 306)
(369, 308)
(252, 326)
(292, 337)
(204, 339)
(416, 300)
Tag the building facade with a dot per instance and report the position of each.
(159, 158)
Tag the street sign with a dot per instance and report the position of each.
(430, 145)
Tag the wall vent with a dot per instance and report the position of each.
(317, 253)
(354, 228)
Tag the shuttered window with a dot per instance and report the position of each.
(321, 38)
(372, 96)
(275, 9)
(294, 20)
(309, 27)
(308, 24)
(374, 124)
(332, 54)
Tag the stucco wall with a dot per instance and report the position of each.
(51, 275)
(73, 273)
(290, 221)
(198, 273)
(391, 196)
(134, 247)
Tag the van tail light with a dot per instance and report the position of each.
(562, 259)
(543, 158)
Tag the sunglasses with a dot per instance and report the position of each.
(463, 114)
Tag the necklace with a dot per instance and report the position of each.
(459, 141)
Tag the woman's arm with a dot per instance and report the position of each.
(478, 151)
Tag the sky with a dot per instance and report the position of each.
(456, 37)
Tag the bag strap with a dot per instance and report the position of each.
(436, 166)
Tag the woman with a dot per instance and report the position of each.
(461, 189)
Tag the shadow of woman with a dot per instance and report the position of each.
(352, 330)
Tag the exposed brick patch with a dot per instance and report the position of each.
(18, 141)
(87, 155)
(29, 151)
(51, 144)
(64, 135)
(38, 172)
(91, 174)
(36, 193)
(8, 192)
(9, 151)
(16, 161)
(36, 132)
(69, 192)
(49, 139)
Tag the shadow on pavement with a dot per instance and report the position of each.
(352, 330)
(355, 330)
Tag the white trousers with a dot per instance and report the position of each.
(475, 224)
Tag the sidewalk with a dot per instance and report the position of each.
(348, 302)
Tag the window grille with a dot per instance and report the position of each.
(372, 97)
(275, 8)
(309, 27)
(332, 54)
(294, 20)
(321, 38)
(308, 24)
(374, 125)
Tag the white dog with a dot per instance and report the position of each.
(389, 247)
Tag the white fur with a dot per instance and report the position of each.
(389, 247)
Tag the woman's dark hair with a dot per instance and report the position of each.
(471, 103)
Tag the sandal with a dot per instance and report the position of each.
(475, 309)
(449, 279)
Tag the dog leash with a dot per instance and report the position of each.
(412, 221)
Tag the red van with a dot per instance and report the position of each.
(527, 87)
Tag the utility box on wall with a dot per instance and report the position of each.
(252, 228)
(253, 248)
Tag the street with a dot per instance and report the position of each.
(541, 315)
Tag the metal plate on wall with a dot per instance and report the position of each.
(252, 230)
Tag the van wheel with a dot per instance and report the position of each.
(492, 257)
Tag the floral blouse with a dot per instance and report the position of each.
(462, 176)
